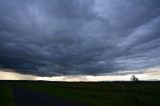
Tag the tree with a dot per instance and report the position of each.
(134, 78)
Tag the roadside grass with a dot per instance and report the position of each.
(103, 93)
(6, 97)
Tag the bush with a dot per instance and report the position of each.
(134, 78)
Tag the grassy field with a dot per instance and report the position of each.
(92, 93)
(103, 93)
(6, 97)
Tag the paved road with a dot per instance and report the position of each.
(26, 97)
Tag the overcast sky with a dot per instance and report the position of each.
(79, 37)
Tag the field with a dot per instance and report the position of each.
(6, 97)
(91, 93)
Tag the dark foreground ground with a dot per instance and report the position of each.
(40, 93)
(27, 97)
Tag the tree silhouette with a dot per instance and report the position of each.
(134, 78)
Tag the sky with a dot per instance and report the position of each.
(79, 40)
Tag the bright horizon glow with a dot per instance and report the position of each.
(149, 74)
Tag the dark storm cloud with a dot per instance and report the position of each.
(79, 37)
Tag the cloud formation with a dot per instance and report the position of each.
(79, 37)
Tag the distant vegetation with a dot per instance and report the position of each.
(134, 78)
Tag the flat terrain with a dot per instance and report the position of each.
(40, 93)
(26, 97)
(6, 97)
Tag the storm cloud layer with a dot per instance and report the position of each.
(79, 37)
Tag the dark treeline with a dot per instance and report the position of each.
(42, 81)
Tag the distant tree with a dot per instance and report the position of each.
(134, 78)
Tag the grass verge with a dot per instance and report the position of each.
(6, 97)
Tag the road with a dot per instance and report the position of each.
(27, 97)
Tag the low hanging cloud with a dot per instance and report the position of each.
(79, 37)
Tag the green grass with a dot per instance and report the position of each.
(104, 94)
(6, 97)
